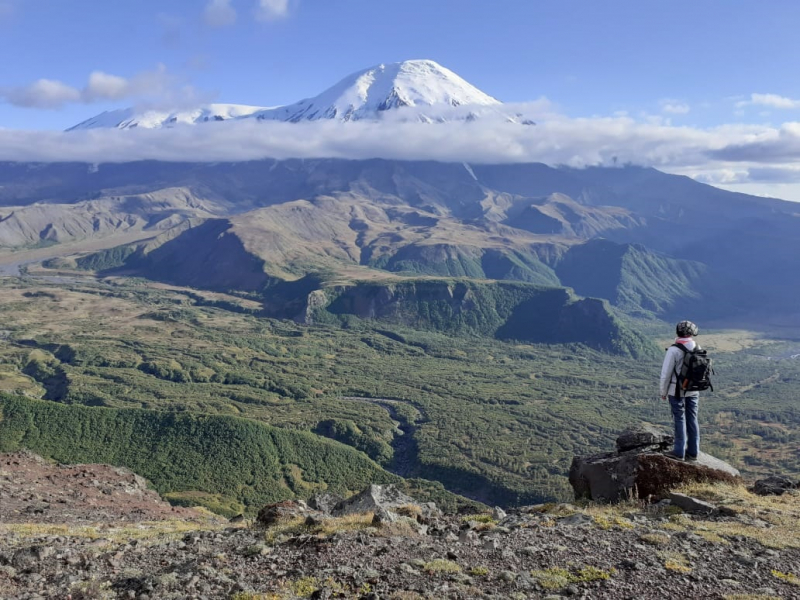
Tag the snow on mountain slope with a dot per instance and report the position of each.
(130, 118)
(369, 93)
(414, 90)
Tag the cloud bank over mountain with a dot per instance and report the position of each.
(730, 154)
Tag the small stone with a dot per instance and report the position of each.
(507, 576)
(468, 537)
(692, 505)
(577, 520)
(383, 517)
(498, 514)
(370, 574)
(407, 568)
(491, 544)
(8, 571)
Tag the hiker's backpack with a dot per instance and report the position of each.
(694, 374)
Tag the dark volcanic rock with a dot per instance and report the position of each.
(641, 474)
(281, 511)
(773, 486)
(644, 436)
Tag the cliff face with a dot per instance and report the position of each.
(503, 310)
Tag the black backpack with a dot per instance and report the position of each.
(695, 372)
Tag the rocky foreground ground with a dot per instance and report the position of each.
(744, 547)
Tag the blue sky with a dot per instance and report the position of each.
(712, 68)
(589, 57)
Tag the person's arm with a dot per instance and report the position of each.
(667, 369)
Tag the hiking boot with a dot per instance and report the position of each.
(690, 458)
(673, 456)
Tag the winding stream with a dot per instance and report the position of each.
(404, 446)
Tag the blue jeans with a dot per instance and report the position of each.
(684, 413)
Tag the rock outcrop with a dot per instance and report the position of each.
(373, 499)
(639, 469)
(774, 486)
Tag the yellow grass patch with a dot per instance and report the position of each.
(787, 577)
(655, 539)
(675, 561)
(325, 528)
(557, 578)
(782, 512)
(144, 531)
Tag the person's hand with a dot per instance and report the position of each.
(663, 397)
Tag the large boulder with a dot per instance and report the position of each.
(373, 499)
(774, 485)
(642, 471)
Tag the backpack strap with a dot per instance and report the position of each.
(677, 375)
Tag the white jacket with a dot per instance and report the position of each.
(672, 363)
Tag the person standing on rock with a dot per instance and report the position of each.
(684, 404)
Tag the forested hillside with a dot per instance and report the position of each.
(499, 421)
(226, 463)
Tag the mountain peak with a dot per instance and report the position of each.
(369, 92)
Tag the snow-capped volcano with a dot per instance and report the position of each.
(421, 84)
(414, 90)
(130, 118)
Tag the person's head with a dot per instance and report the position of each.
(686, 329)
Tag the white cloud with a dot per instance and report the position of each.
(219, 13)
(44, 93)
(271, 10)
(735, 156)
(770, 100)
(674, 107)
(555, 140)
(103, 86)
(49, 93)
